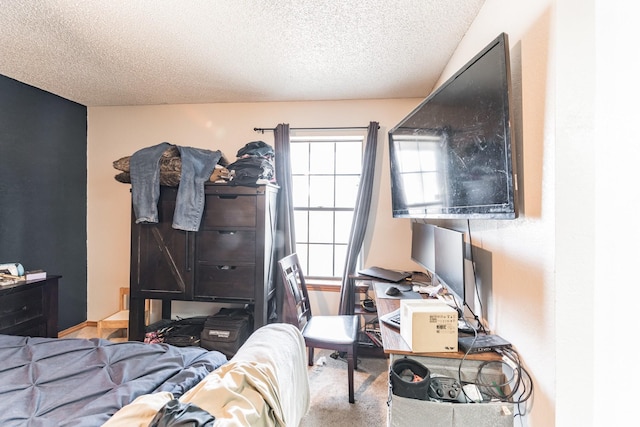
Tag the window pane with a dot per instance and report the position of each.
(301, 220)
(303, 257)
(346, 191)
(322, 157)
(321, 227)
(299, 158)
(340, 258)
(343, 226)
(300, 191)
(321, 191)
(321, 260)
(349, 157)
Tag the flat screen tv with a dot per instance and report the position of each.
(453, 156)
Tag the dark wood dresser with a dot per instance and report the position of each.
(229, 260)
(30, 308)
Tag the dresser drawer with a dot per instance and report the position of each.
(225, 281)
(229, 210)
(226, 246)
(20, 307)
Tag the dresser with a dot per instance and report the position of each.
(229, 260)
(30, 308)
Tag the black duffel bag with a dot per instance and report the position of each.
(181, 332)
(227, 330)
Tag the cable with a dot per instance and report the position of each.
(516, 389)
(475, 282)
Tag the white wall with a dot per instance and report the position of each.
(545, 264)
(613, 287)
(557, 267)
(115, 132)
(522, 306)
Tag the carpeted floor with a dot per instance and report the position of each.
(329, 393)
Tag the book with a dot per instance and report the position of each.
(35, 275)
(374, 336)
(10, 279)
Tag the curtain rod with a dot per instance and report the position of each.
(262, 130)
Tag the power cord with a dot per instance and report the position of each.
(516, 389)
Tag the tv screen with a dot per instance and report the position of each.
(453, 156)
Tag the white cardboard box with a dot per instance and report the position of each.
(429, 326)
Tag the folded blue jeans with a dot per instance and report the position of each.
(197, 166)
(144, 167)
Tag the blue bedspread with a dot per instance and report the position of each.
(83, 382)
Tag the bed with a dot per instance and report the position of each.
(95, 382)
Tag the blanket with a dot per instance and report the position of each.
(83, 382)
(264, 384)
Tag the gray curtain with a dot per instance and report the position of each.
(360, 219)
(285, 231)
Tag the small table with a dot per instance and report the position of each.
(30, 308)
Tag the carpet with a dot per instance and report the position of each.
(329, 393)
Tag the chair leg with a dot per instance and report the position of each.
(310, 350)
(351, 362)
(355, 356)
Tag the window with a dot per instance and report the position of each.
(326, 176)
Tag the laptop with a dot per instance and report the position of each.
(384, 274)
(482, 343)
(392, 318)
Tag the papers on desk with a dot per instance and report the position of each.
(406, 291)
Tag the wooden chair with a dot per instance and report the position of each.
(339, 333)
(120, 320)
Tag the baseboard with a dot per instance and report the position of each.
(77, 327)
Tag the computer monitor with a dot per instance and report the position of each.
(449, 262)
(423, 245)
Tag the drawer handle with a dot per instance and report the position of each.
(232, 196)
(226, 267)
(231, 233)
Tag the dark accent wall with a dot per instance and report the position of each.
(43, 190)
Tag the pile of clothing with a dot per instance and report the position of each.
(254, 165)
(188, 168)
(170, 165)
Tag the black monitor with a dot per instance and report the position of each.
(423, 245)
(449, 262)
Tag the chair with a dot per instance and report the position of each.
(120, 320)
(338, 333)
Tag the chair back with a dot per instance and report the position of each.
(297, 309)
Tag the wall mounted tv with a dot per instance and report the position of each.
(453, 156)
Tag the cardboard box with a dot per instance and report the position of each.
(429, 326)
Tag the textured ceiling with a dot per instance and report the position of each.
(119, 52)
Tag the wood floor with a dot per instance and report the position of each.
(115, 335)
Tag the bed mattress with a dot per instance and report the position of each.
(83, 382)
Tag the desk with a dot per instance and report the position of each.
(393, 342)
(405, 412)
